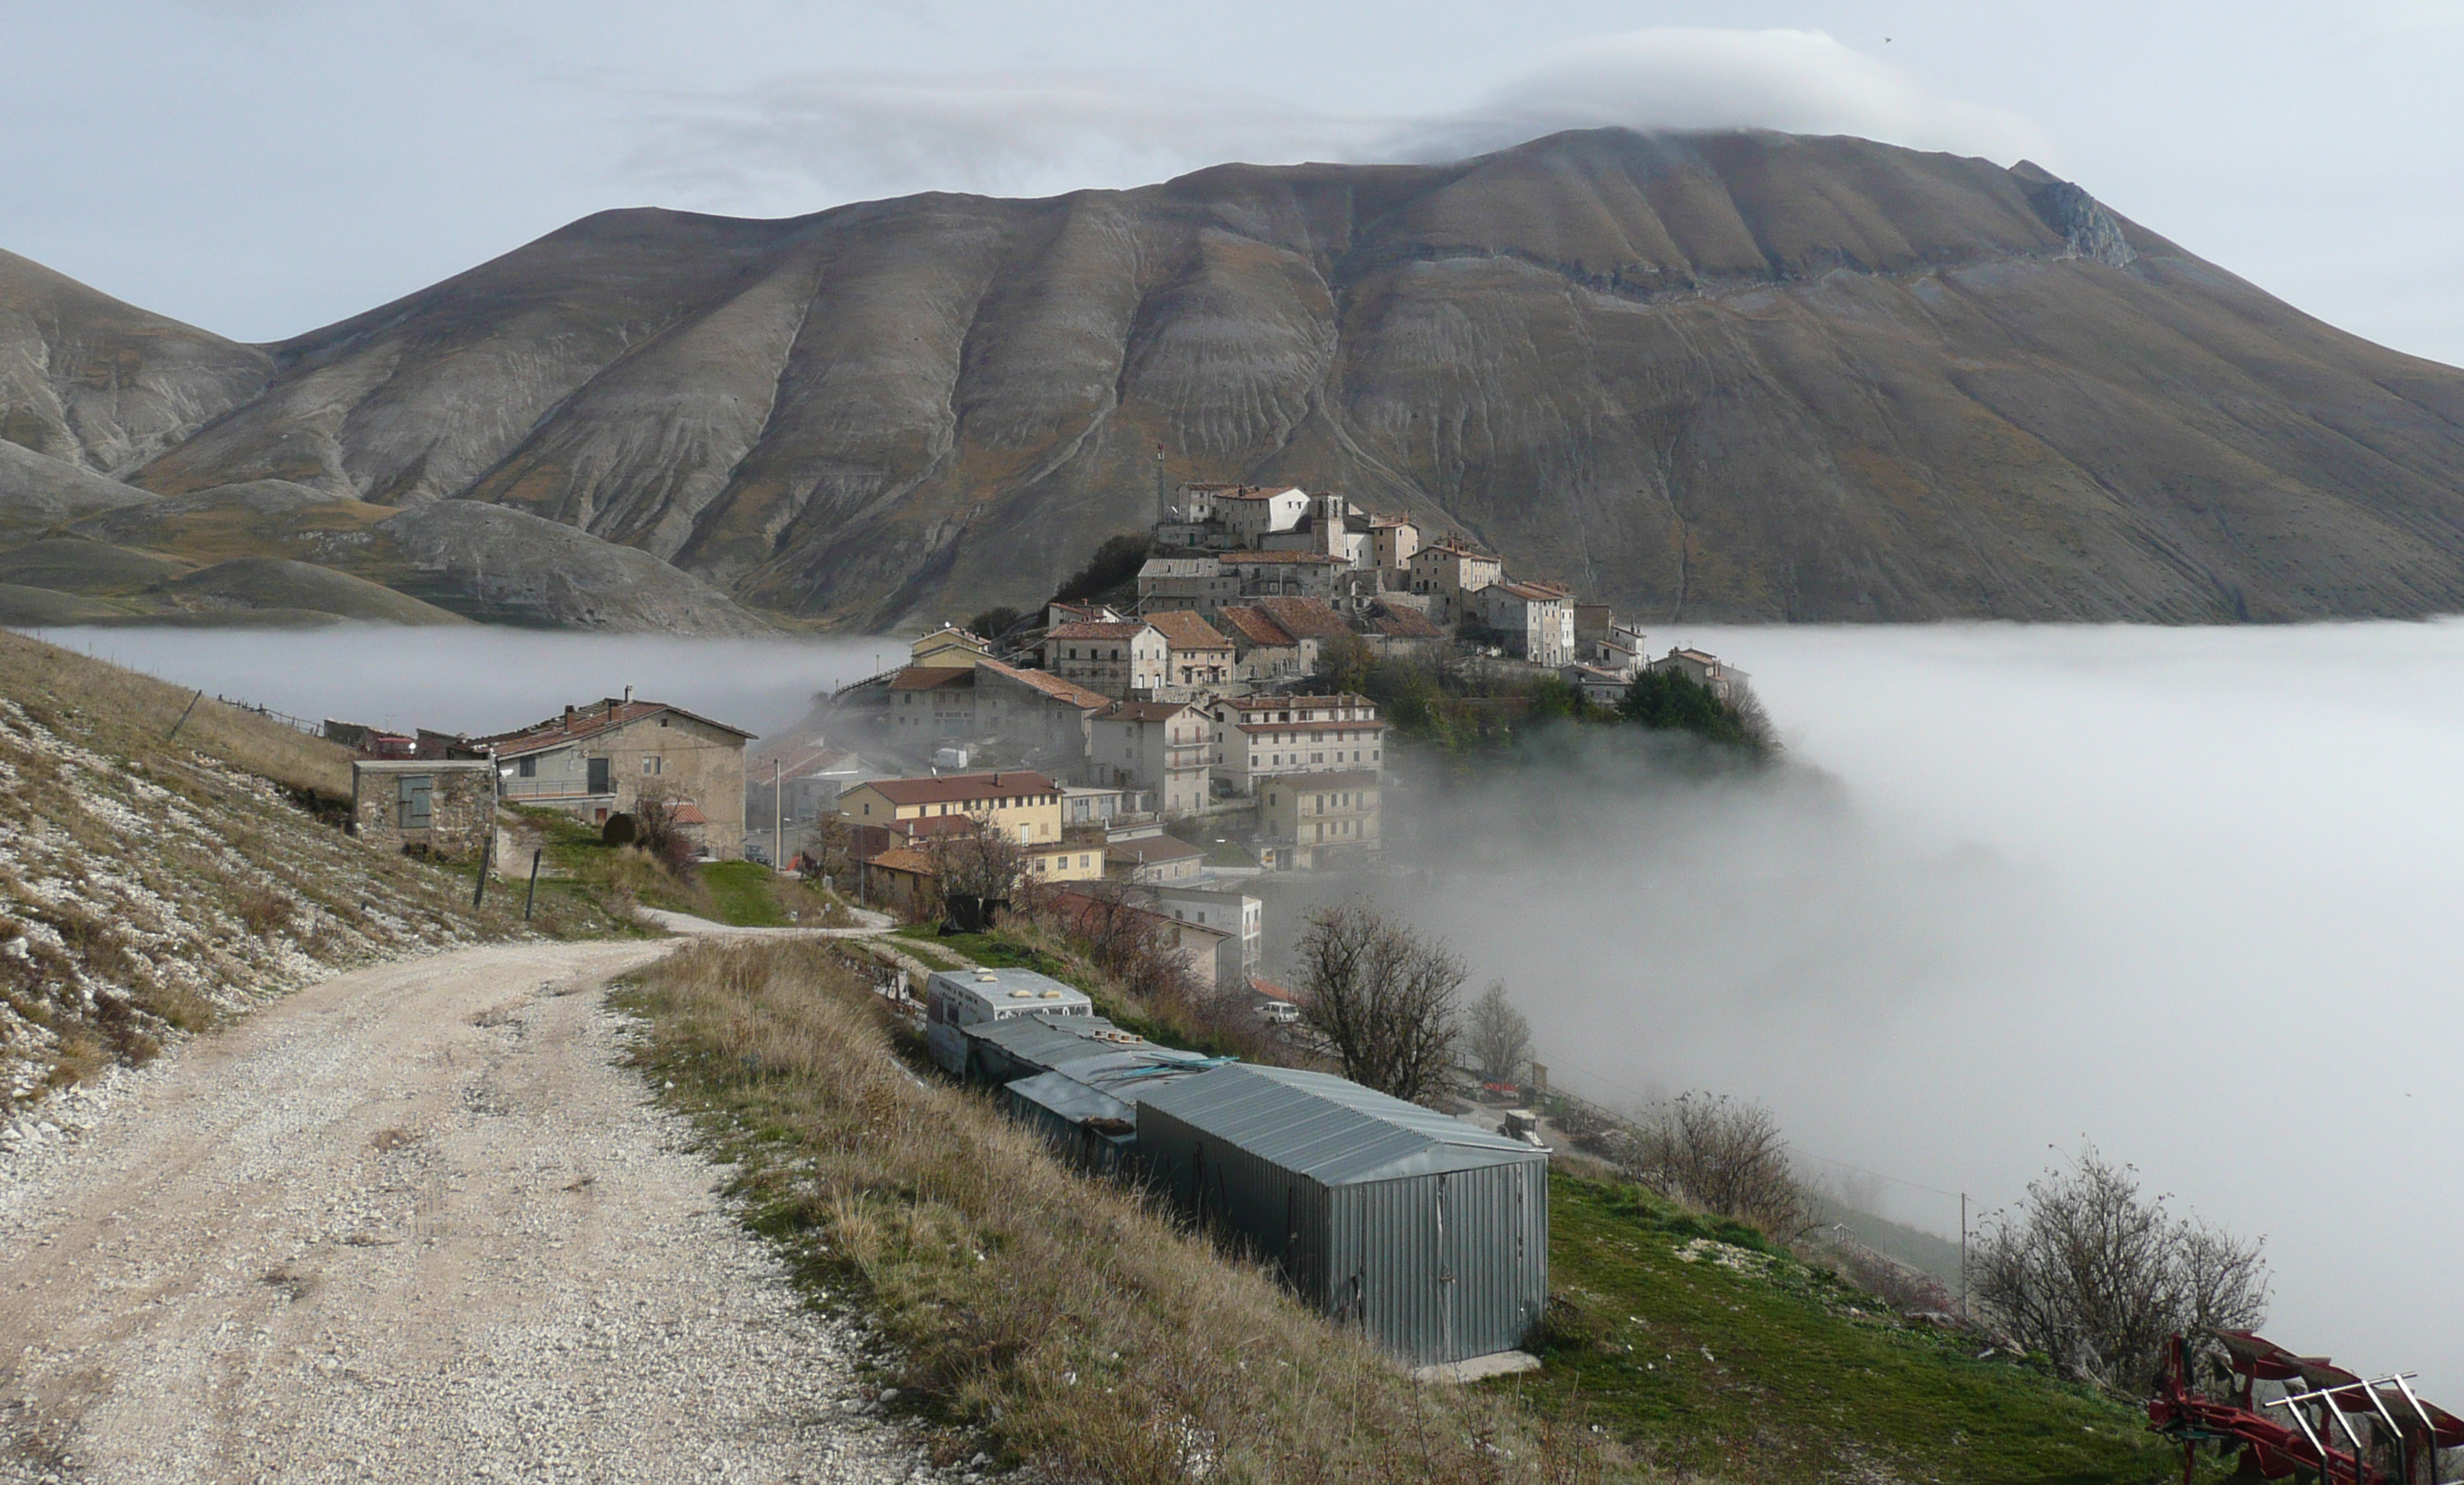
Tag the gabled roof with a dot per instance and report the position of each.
(1361, 723)
(935, 677)
(587, 721)
(1305, 618)
(1068, 692)
(1144, 711)
(1255, 558)
(1329, 1129)
(1255, 491)
(1398, 623)
(1184, 629)
(950, 788)
(903, 859)
(1255, 627)
(1529, 592)
(1125, 629)
(1182, 568)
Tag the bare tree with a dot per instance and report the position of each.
(1728, 1158)
(1128, 941)
(1499, 1038)
(1382, 996)
(2099, 1278)
(657, 830)
(977, 862)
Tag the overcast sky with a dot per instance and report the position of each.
(264, 166)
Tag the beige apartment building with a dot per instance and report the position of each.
(1116, 659)
(601, 760)
(1161, 748)
(1308, 821)
(1259, 738)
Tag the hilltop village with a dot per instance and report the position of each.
(1187, 732)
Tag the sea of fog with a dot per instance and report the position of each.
(2190, 895)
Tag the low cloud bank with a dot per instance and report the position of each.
(803, 141)
(2188, 894)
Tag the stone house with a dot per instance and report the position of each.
(1599, 686)
(1286, 574)
(1037, 713)
(1116, 659)
(1251, 513)
(1392, 542)
(1332, 529)
(1195, 584)
(604, 759)
(1701, 668)
(444, 807)
(1157, 747)
(1264, 649)
(931, 703)
(1197, 657)
(1536, 620)
(1448, 571)
(1259, 738)
(1311, 821)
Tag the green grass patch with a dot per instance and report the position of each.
(1740, 1363)
(744, 894)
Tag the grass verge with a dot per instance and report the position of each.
(1068, 1321)
(1704, 1350)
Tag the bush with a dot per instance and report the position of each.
(1672, 701)
(1114, 566)
(1383, 998)
(994, 623)
(2099, 1278)
(1726, 1158)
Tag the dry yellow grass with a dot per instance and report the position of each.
(132, 715)
(1068, 1319)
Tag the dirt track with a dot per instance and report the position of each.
(411, 1224)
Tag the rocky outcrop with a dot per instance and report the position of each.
(1740, 376)
(38, 493)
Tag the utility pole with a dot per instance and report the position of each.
(533, 897)
(777, 822)
(1962, 1255)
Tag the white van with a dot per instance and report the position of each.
(956, 998)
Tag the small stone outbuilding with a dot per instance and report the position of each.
(442, 806)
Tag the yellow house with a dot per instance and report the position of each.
(1020, 804)
(948, 645)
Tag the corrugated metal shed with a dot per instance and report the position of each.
(1077, 1079)
(1429, 1235)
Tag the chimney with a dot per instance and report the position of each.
(629, 695)
(568, 717)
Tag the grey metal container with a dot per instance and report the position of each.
(1429, 1235)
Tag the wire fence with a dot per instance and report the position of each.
(314, 730)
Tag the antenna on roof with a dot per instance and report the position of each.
(1163, 503)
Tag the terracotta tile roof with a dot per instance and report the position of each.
(1121, 630)
(1272, 990)
(950, 788)
(903, 859)
(1531, 592)
(1255, 627)
(1257, 559)
(1254, 492)
(690, 814)
(1404, 624)
(1052, 685)
(1185, 630)
(1306, 618)
(587, 721)
(1284, 702)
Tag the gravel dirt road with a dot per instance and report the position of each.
(414, 1223)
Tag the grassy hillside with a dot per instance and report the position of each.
(1708, 1352)
(152, 883)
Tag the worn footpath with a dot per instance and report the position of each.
(414, 1223)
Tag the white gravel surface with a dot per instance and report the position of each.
(414, 1223)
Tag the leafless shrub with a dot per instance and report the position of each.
(658, 834)
(1728, 1158)
(1382, 996)
(1497, 1036)
(981, 862)
(1127, 941)
(264, 910)
(2096, 1276)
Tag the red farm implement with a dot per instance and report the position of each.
(2328, 1427)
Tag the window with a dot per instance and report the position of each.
(527, 768)
(654, 764)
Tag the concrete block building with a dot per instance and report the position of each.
(604, 759)
(444, 807)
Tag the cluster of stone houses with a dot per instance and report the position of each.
(596, 761)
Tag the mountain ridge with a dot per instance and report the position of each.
(1717, 376)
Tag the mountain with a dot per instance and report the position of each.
(1740, 376)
